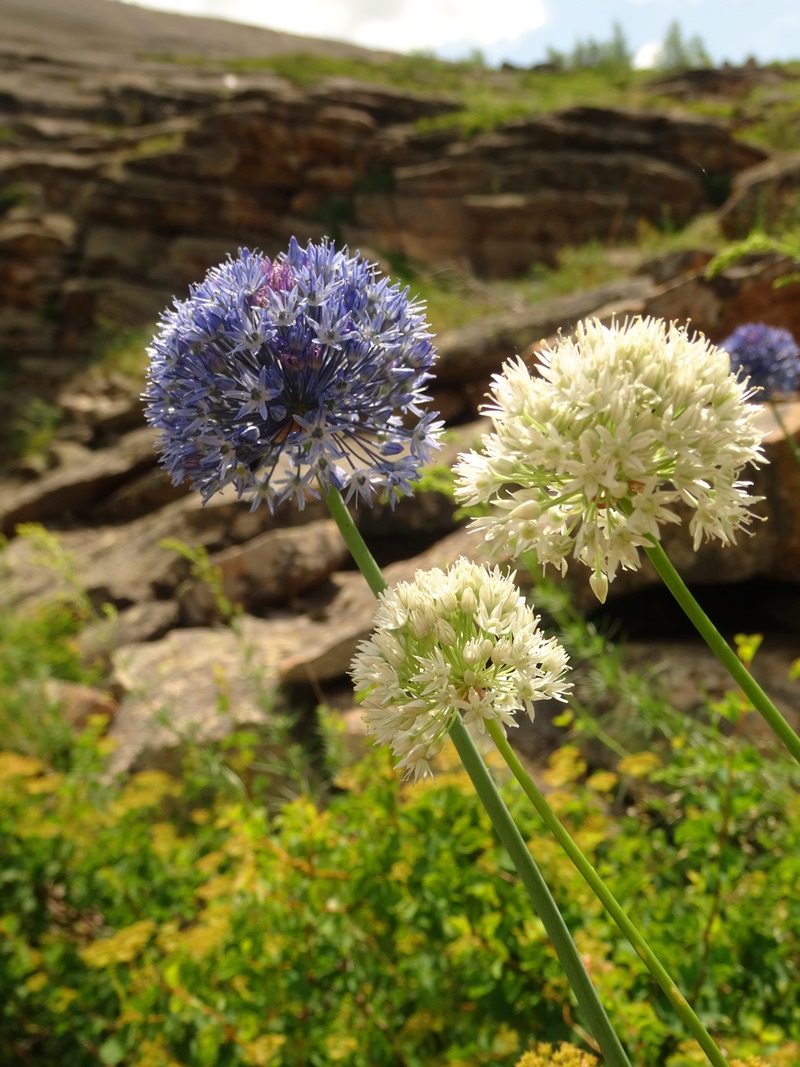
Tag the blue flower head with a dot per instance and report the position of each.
(275, 376)
(767, 355)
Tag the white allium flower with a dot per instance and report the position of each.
(591, 457)
(457, 641)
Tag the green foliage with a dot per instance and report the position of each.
(677, 53)
(34, 427)
(139, 928)
(451, 299)
(499, 97)
(436, 478)
(480, 97)
(119, 349)
(157, 145)
(308, 939)
(773, 120)
(709, 799)
(193, 920)
(13, 194)
(454, 299)
(418, 71)
(611, 57)
(203, 569)
(758, 241)
(49, 553)
(579, 267)
(545, 1055)
(38, 646)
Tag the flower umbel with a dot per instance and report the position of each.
(461, 641)
(766, 355)
(624, 423)
(276, 375)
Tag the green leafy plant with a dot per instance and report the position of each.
(14, 194)
(679, 53)
(211, 576)
(118, 348)
(758, 241)
(192, 920)
(138, 927)
(38, 646)
(33, 429)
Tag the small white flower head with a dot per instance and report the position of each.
(483, 657)
(590, 457)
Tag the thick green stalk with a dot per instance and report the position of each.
(546, 908)
(540, 896)
(355, 542)
(607, 899)
(722, 650)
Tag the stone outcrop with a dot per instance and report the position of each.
(513, 197)
(124, 176)
(752, 289)
(762, 196)
(112, 232)
(198, 684)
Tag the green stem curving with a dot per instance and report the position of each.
(607, 899)
(355, 542)
(539, 894)
(604, 1034)
(722, 650)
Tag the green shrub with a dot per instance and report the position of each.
(33, 429)
(39, 646)
(385, 928)
(15, 194)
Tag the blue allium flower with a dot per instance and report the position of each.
(767, 355)
(279, 375)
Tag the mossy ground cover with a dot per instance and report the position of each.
(763, 111)
(483, 97)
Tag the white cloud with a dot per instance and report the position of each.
(647, 56)
(415, 24)
(403, 26)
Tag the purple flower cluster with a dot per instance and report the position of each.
(767, 355)
(277, 376)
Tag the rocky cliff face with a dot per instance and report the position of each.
(120, 184)
(111, 225)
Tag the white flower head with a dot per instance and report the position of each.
(483, 657)
(590, 457)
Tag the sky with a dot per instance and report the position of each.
(520, 31)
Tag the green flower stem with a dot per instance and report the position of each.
(546, 908)
(355, 542)
(607, 898)
(722, 650)
(790, 441)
